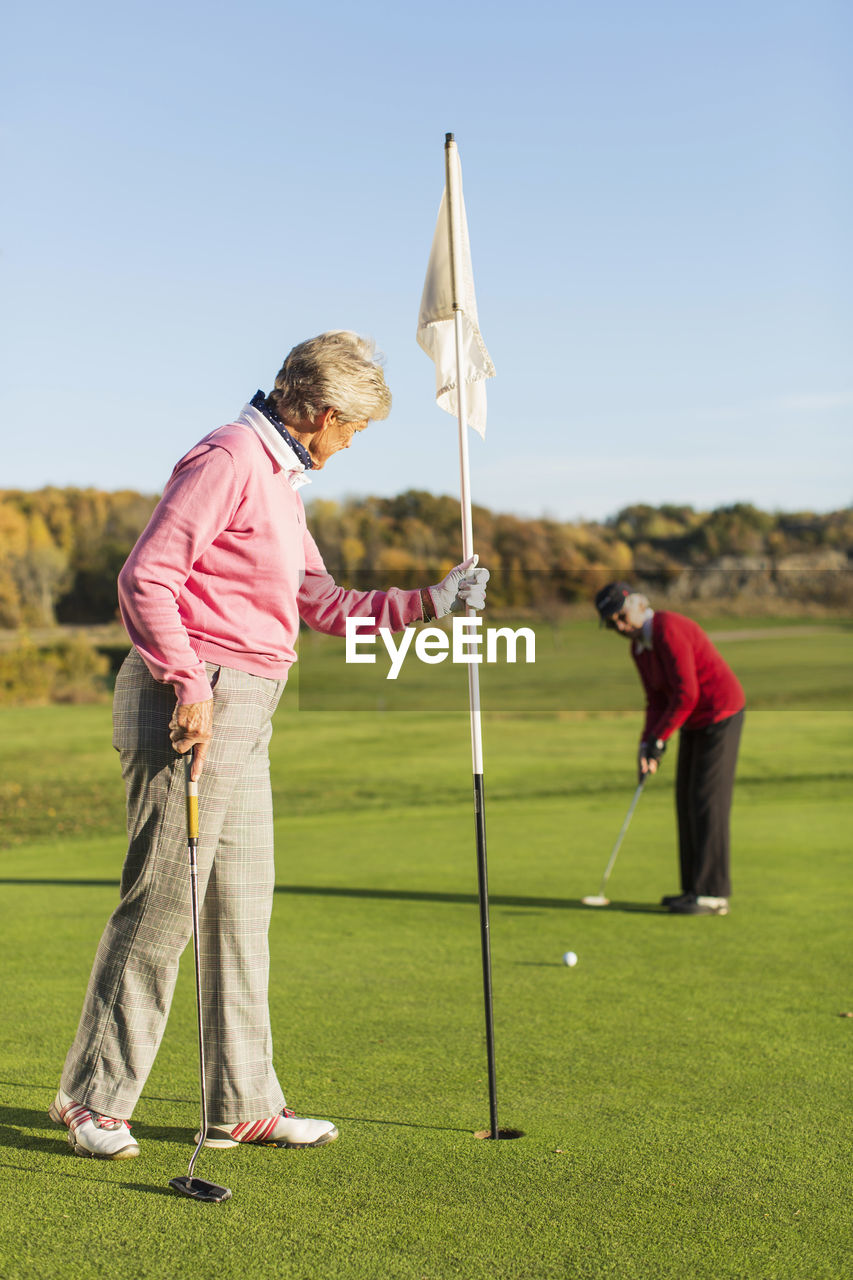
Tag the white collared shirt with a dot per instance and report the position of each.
(644, 640)
(276, 446)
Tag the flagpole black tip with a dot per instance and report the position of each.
(448, 137)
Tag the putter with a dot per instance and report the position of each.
(598, 899)
(197, 1188)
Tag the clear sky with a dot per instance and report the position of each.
(659, 202)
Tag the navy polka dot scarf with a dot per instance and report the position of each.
(259, 402)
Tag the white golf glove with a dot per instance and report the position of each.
(464, 586)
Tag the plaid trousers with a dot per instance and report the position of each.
(136, 965)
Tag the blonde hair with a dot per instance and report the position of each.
(336, 370)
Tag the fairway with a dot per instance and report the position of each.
(683, 1093)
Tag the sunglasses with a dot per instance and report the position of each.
(610, 623)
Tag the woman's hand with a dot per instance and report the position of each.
(191, 729)
(464, 586)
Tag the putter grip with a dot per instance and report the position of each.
(192, 800)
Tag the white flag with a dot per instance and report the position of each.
(436, 325)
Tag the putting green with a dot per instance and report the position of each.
(683, 1091)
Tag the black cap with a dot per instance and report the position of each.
(611, 598)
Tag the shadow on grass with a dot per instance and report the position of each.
(641, 908)
(83, 884)
(401, 1124)
(150, 1187)
(15, 1119)
(462, 899)
(393, 895)
(51, 1089)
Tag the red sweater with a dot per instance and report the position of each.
(687, 683)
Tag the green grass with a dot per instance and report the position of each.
(580, 668)
(684, 1092)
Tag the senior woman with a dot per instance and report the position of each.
(212, 596)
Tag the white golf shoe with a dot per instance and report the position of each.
(90, 1133)
(283, 1130)
(693, 905)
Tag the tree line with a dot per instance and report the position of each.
(61, 549)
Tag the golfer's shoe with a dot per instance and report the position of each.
(90, 1133)
(691, 905)
(284, 1130)
(669, 899)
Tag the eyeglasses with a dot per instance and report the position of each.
(610, 623)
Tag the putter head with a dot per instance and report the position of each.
(198, 1189)
(595, 900)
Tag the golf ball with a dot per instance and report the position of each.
(570, 959)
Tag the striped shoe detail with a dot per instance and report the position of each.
(74, 1114)
(86, 1127)
(272, 1131)
(71, 1114)
(255, 1130)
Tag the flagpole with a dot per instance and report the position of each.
(473, 669)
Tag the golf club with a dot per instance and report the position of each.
(598, 899)
(197, 1188)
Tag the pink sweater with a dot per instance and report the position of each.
(226, 568)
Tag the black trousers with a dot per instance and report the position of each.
(704, 783)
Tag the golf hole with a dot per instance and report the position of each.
(502, 1133)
